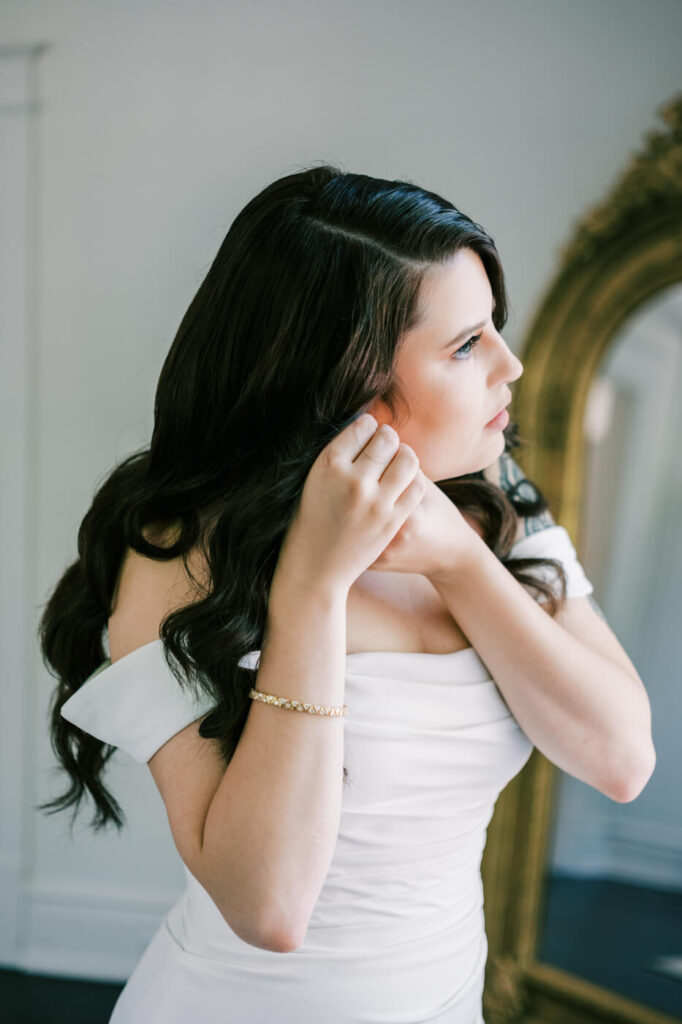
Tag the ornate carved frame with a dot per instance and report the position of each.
(624, 251)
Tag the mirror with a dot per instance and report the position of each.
(613, 884)
(582, 894)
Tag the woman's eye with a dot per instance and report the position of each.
(467, 347)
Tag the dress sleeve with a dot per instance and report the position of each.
(136, 703)
(554, 542)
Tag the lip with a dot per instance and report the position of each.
(498, 414)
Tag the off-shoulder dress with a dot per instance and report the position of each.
(397, 934)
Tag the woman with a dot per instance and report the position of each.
(274, 554)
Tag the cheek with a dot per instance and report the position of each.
(442, 408)
(451, 406)
(443, 413)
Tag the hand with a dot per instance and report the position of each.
(358, 493)
(434, 540)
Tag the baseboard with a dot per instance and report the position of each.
(82, 933)
(637, 851)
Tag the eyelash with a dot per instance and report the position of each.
(473, 342)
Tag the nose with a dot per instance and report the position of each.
(509, 367)
(516, 369)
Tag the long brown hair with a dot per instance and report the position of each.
(292, 334)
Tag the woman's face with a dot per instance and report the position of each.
(453, 385)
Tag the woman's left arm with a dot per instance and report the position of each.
(567, 680)
(581, 616)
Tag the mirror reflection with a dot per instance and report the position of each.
(613, 890)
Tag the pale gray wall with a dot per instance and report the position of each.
(156, 122)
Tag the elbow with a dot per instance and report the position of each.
(280, 939)
(272, 941)
(284, 942)
(286, 938)
(284, 929)
(249, 927)
(630, 784)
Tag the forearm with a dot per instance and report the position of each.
(583, 712)
(272, 825)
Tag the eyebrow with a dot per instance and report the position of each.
(464, 333)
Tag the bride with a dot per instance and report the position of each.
(328, 523)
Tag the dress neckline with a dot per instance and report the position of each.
(350, 654)
(410, 666)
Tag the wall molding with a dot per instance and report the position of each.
(85, 933)
(18, 305)
(635, 850)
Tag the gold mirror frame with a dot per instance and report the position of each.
(622, 253)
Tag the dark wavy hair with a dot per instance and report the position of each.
(293, 333)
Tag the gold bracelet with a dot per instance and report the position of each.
(294, 705)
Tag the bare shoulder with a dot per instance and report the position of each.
(147, 591)
(188, 768)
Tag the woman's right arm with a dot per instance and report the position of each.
(272, 824)
(259, 835)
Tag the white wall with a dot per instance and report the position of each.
(155, 123)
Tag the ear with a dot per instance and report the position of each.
(383, 414)
(380, 411)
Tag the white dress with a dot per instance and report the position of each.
(397, 934)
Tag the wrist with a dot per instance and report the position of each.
(458, 565)
(295, 583)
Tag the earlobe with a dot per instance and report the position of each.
(380, 411)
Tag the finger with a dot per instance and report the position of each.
(407, 502)
(350, 442)
(378, 452)
(400, 471)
